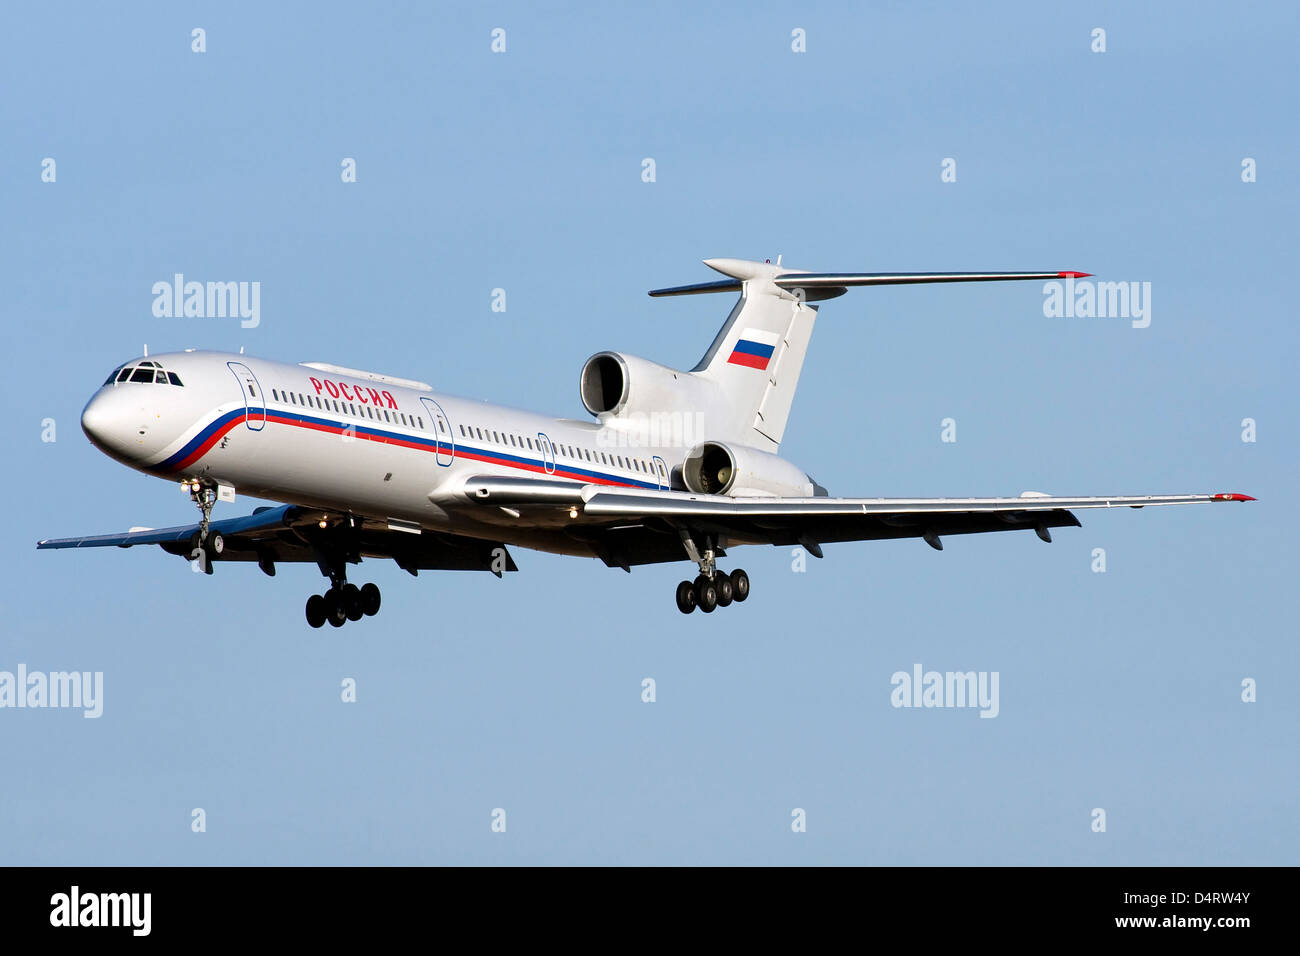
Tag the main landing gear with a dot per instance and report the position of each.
(713, 588)
(343, 602)
(339, 605)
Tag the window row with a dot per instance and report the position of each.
(561, 450)
(355, 410)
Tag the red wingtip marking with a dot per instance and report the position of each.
(1074, 275)
(1234, 497)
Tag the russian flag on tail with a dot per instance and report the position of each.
(755, 348)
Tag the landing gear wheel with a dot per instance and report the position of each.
(216, 543)
(686, 597)
(352, 602)
(316, 610)
(726, 590)
(369, 600)
(739, 585)
(335, 612)
(706, 594)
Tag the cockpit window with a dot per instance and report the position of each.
(148, 373)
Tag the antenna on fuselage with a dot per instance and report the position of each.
(146, 350)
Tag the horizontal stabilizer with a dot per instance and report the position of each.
(724, 285)
(837, 283)
(828, 285)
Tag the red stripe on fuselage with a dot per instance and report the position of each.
(212, 440)
(384, 440)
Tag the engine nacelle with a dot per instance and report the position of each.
(718, 468)
(614, 384)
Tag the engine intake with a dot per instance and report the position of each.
(603, 384)
(709, 469)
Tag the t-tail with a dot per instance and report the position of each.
(757, 355)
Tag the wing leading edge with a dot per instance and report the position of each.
(289, 533)
(630, 526)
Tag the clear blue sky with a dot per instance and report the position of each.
(523, 171)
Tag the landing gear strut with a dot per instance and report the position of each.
(205, 496)
(713, 588)
(210, 545)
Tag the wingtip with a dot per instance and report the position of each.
(1230, 496)
(1074, 275)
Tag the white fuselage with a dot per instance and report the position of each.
(355, 442)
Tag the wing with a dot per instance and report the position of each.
(294, 534)
(631, 526)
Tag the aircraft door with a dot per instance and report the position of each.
(548, 453)
(254, 400)
(661, 473)
(440, 425)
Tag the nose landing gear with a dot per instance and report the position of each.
(204, 545)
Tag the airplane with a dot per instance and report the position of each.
(675, 466)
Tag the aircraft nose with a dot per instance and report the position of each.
(97, 420)
(109, 421)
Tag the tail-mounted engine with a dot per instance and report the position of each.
(715, 468)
